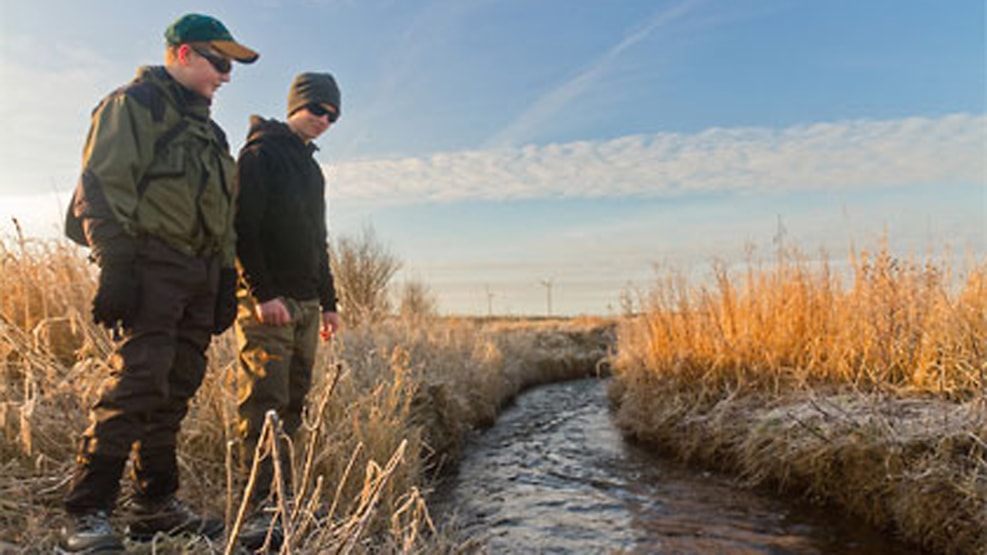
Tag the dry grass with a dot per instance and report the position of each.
(868, 391)
(390, 402)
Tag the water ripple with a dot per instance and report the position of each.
(554, 476)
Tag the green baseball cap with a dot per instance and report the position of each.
(195, 27)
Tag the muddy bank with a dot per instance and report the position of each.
(913, 466)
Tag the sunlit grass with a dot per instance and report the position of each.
(391, 403)
(863, 384)
(891, 324)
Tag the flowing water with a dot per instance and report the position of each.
(555, 476)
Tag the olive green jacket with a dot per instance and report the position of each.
(155, 164)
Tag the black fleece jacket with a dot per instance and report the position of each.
(281, 217)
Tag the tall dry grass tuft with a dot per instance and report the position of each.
(46, 342)
(899, 325)
(862, 386)
(391, 402)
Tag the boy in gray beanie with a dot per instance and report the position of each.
(287, 296)
(313, 88)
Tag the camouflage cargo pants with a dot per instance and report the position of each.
(275, 372)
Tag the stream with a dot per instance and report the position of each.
(554, 475)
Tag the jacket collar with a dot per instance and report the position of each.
(184, 100)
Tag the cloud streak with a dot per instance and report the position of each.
(844, 154)
(402, 69)
(551, 103)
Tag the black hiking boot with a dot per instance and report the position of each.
(89, 533)
(264, 522)
(171, 516)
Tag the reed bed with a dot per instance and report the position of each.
(390, 405)
(862, 385)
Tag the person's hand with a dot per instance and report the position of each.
(117, 294)
(225, 310)
(273, 312)
(330, 325)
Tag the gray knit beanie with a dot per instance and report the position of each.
(313, 88)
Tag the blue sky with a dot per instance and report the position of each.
(494, 144)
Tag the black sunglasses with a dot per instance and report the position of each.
(221, 63)
(319, 110)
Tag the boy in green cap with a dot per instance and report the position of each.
(155, 203)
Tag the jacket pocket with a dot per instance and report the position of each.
(168, 163)
(166, 193)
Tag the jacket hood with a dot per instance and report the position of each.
(268, 130)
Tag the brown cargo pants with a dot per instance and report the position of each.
(157, 369)
(275, 373)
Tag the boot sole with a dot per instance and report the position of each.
(59, 550)
(210, 533)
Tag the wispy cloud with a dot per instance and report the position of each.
(554, 101)
(842, 154)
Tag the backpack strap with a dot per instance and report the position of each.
(160, 144)
(147, 94)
